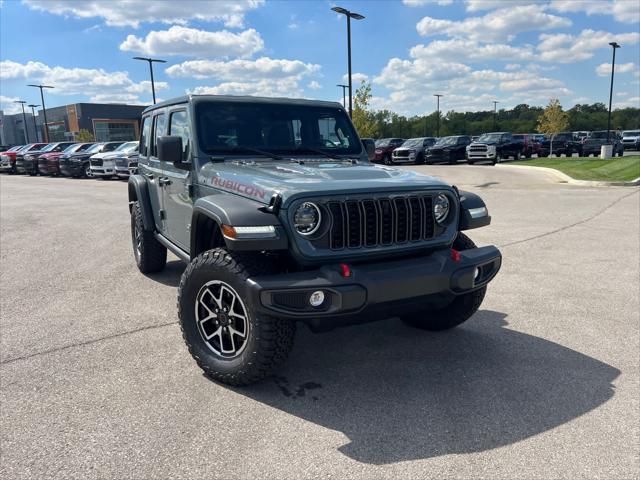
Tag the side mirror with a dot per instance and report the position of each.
(370, 147)
(170, 150)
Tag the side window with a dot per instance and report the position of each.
(159, 123)
(144, 136)
(179, 127)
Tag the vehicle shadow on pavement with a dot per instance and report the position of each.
(401, 394)
(170, 275)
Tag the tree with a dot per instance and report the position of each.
(553, 120)
(84, 136)
(363, 118)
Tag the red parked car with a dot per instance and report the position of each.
(531, 145)
(53, 160)
(8, 158)
(51, 152)
(384, 147)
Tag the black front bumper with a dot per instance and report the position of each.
(373, 291)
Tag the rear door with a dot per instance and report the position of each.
(149, 166)
(177, 202)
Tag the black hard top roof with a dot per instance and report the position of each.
(243, 98)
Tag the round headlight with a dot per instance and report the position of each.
(441, 208)
(306, 219)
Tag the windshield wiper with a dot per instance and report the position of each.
(239, 148)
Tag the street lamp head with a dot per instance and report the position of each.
(19, 101)
(32, 105)
(40, 86)
(344, 11)
(614, 44)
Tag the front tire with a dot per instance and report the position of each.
(387, 160)
(458, 311)
(229, 341)
(150, 255)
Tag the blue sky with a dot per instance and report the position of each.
(472, 51)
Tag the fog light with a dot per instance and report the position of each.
(316, 298)
(476, 274)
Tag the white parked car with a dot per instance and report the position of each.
(103, 163)
(631, 139)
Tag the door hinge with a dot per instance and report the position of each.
(163, 215)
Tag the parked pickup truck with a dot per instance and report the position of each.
(593, 144)
(448, 150)
(494, 147)
(563, 143)
(279, 226)
(631, 139)
(530, 146)
(412, 150)
(384, 148)
(8, 159)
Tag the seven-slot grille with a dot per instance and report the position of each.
(377, 222)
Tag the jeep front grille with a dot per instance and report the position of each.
(378, 222)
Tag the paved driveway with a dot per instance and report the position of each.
(542, 383)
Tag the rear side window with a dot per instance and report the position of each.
(179, 127)
(159, 123)
(144, 136)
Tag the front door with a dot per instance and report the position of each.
(178, 204)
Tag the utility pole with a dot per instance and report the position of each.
(438, 95)
(349, 16)
(33, 114)
(615, 46)
(495, 111)
(151, 60)
(24, 120)
(344, 98)
(44, 110)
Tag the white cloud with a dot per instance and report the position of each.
(283, 87)
(357, 78)
(565, 48)
(625, 11)
(8, 106)
(502, 24)
(465, 49)
(243, 70)
(512, 66)
(131, 13)
(313, 85)
(420, 3)
(633, 102)
(604, 69)
(78, 81)
(195, 43)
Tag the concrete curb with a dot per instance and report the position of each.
(563, 177)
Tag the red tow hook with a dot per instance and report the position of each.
(455, 255)
(345, 271)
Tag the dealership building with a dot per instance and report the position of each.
(105, 121)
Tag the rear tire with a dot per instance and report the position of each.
(150, 255)
(229, 341)
(458, 311)
(387, 160)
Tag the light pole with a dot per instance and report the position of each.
(151, 60)
(44, 110)
(344, 87)
(438, 95)
(24, 120)
(495, 111)
(615, 46)
(349, 16)
(33, 114)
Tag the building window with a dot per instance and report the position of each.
(108, 131)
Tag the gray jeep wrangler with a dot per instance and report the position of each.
(281, 217)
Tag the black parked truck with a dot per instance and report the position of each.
(563, 143)
(278, 226)
(448, 150)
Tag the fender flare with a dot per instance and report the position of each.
(473, 212)
(236, 211)
(139, 192)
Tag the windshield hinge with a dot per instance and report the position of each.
(274, 204)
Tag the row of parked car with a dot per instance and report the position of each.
(72, 159)
(497, 146)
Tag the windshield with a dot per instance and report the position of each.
(631, 133)
(383, 142)
(15, 149)
(444, 141)
(49, 147)
(127, 147)
(71, 148)
(94, 148)
(413, 142)
(230, 127)
(490, 137)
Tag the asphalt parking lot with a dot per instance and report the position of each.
(542, 383)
